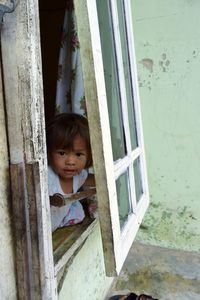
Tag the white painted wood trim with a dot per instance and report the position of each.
(122, 164)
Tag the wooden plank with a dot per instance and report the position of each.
(33, 195)
(25, 184)
(20, 230)
(61, 200)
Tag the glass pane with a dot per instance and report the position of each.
(111, 79)
(123, 198)
(138, 180)
(127, 73)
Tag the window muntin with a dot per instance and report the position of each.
(138, 180)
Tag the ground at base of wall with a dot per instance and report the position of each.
(165, 274)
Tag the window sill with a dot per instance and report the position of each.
(68, 239)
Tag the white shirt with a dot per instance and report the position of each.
(68, 214)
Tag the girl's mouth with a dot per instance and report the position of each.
(69, 171)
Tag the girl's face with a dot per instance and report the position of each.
(69, 162)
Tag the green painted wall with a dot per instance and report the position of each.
(167, 41)
(85, 278)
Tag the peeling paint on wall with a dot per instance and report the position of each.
(147, 63)
(164, 63)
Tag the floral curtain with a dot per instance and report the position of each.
(70, 95)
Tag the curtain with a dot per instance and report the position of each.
(70, 95)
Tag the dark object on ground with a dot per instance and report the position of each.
(132, 296)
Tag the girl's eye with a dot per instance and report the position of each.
(61, 153)
(78, 154)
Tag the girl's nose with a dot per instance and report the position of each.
(70, 160)
(69, 163)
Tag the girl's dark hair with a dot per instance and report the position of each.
(62, 130)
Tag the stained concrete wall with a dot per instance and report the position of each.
(7, 268)
(167, 41)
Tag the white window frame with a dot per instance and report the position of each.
(116, 242)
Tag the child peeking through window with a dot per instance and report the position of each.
(69, 157)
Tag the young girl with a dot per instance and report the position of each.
(69, 156)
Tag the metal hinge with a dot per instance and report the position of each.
(6, 6)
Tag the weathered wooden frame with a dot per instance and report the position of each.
(22, 77)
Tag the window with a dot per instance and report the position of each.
(115, 120)
(110, 80)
